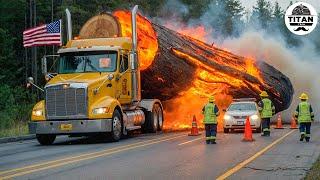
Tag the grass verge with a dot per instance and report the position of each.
(314, 172)
(17, 130)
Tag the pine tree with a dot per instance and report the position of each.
(262, 14)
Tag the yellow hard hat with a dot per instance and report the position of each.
(211, 99)
(304, 96)
(264, 94)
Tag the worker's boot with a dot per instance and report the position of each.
(213, 142)
(301, 137)
(307, 139)
(208, 141)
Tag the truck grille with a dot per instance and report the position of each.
(240, 117)
(66, 103)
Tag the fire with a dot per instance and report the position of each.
(147, 37)
(197, 32)
(207, 81)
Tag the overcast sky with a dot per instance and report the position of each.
(283, 3)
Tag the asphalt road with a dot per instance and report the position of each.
(163, 156)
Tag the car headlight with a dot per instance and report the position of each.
(254, 117)
(37, 112)
(227, 117)
(101, 110)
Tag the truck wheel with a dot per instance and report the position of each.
(225, 130)
(46, 139)
(116, 126)
(160, 117)
(154, 119)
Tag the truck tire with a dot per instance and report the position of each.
(116, 132)
(46, 139)
(226, 130)
(154, 119)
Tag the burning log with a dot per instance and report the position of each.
(173, 63)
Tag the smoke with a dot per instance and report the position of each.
(299, 64)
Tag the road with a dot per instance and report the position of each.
(163, 156)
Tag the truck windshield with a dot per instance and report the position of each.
(97, 61)
(242, 107)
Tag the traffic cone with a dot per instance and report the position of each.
(247, 131)
(194, 128)
(279, 123)
(293, 124)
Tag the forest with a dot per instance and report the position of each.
(228, 18)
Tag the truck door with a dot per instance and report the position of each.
(124, 83)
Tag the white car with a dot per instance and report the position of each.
(238, 111)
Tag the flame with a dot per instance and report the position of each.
(208, 81)
(147, 37)
(197, 32)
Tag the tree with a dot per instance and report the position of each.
(262, 14)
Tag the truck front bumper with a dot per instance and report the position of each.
(73, 126)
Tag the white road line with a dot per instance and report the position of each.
(187, 142)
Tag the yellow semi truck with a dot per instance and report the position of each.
(96, 90)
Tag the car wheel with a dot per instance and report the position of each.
(258, 130)
(46, 139)
(116, 126)
(225, 130)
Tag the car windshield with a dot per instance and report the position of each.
(97, 61)
(242, 107)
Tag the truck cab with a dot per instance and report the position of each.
(96, 90)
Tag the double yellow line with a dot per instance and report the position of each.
(8, 174)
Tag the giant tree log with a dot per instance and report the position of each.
(173, 63)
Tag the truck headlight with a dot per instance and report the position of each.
(254, 117)
(227, 117)
(37, 112)
(101, 110)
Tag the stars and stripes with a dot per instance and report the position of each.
(44, 35)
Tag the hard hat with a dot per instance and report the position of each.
(211, 99)
(264, 94)
(304, 96)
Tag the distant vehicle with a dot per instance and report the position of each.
(236, 114)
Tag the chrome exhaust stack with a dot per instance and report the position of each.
(69, 25)
(136, 83)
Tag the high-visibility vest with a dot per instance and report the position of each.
(267, 108)
(304, 112)
(209, 114)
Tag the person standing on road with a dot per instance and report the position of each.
(210, 112)
(305, 116)
(267, 110)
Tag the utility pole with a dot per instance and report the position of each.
(31, 25)
(35, 48)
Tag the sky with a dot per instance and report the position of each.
(283, 3)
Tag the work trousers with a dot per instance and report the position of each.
(305, 129)
(211, 132)
(266, 126)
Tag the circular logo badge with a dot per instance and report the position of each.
(301, 18)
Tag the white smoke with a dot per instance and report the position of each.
(301, 64)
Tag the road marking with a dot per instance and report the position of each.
(65, 161)
(187, 142)
(247, 161)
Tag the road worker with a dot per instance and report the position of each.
(210, 112)
(267, 110)
(305, 116)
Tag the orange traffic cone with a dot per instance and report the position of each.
(293, 124)
(247, 131)
(194, 129)
(279, 123)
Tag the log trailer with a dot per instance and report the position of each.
(96, 90)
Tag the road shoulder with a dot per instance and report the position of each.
(290, 159)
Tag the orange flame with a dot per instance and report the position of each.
(147, 37)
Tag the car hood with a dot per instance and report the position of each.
(241, 113)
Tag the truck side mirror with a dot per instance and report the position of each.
(30, 81)
(44, 65)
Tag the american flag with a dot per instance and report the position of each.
(44, 35)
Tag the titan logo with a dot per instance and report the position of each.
(301, 18)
